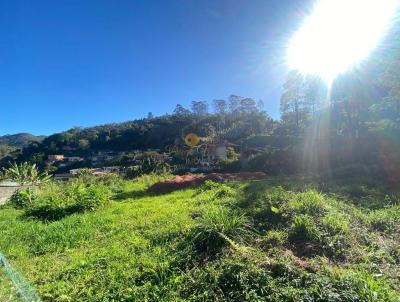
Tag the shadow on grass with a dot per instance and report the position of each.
(130, 195)
(49, 213)
(137, 194)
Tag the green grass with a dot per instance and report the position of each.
(8, 292)
(276, 240)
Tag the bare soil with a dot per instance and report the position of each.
(192, 180)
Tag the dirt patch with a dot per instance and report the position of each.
(191, 180)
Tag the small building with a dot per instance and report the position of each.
(219, 150)
(55, 157)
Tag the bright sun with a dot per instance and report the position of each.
(339, 34)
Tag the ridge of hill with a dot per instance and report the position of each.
(20, 140)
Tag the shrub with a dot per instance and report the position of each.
(91, 198)
(25, 173)
(149, 162)
(229, 165)
(275, 161)
(23, 198)
(56, 201)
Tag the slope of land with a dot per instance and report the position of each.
(20, 140)
(275, 240)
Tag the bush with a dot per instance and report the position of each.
(25, 173)
(149, 162)
(275, 161)
(23, 198)
(228, 165)
(91, 198)
(59, 200)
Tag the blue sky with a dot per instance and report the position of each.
(72, 63)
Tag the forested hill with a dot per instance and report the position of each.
(10, 144)
(234, 119)
(20, 140)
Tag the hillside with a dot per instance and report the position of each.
(20, 140)
(282, 239)
(161, 134)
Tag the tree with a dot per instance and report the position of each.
(181, 111)
(234, 102)
(387, 112)
(247, 105)
(199, 108)
(150, 116)
(314, 93)
(220, 106)
(6, 150)
(84, 144)
(291, 100)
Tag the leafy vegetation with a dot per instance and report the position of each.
(277, 240)
(55, 201)
(25, 174)
(19, 140)
(149, 162)
(6, 150)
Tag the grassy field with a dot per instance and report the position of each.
(275, 240)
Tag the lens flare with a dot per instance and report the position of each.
(339, 34)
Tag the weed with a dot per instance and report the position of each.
(217, 227)
(304, 229)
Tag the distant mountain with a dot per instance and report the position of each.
(20, 140)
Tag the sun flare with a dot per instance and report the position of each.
(339, 34)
